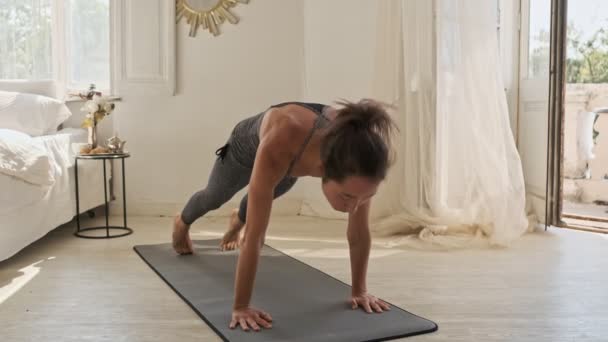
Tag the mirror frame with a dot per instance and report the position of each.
(207, 19)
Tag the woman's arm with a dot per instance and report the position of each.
(266, 175)
(271, 164)
(360, 242)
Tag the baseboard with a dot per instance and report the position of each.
(282, 207)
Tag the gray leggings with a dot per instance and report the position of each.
(227, 178)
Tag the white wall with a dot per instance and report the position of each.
(220, 80)
(281, 50)
(339, 46)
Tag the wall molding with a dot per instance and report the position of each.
(143, 30)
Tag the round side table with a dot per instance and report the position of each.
(79, 231)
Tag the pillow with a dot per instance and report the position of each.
(31, 114)
(22, 157)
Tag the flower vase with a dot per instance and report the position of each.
(92, 140)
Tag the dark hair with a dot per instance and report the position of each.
(358, 141)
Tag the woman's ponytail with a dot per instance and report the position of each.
(358, 142)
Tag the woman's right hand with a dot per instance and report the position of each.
(250, 318)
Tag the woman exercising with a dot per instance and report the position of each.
(347, 147)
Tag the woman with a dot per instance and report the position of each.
(347, 147)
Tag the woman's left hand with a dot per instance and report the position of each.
(368, 302)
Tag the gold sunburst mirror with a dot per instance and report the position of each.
(208, 14)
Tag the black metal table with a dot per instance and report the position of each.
(107, 227)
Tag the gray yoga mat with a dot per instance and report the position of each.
(305, 303)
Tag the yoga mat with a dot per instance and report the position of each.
(305, 303)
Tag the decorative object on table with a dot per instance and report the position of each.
(115, 144)
(209, 14)
(87, 94)
(97, 150)
(97, 108)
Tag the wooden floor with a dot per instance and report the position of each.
(548, 287)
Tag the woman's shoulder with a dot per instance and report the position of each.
(290, 119)
(283, 129)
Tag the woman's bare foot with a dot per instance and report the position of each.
(181, 236)
(232, 238)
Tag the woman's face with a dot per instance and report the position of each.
(348, 195)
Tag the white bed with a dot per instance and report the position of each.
(27, 211)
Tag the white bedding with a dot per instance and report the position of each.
(29, 211)
(25, 158)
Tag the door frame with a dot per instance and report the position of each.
(556, 115)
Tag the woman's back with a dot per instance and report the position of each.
(245, 137)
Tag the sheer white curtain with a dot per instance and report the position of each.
(458, 181)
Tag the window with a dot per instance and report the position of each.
(539, 38)
(25, 39)
(88, 43)
(66, 40)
